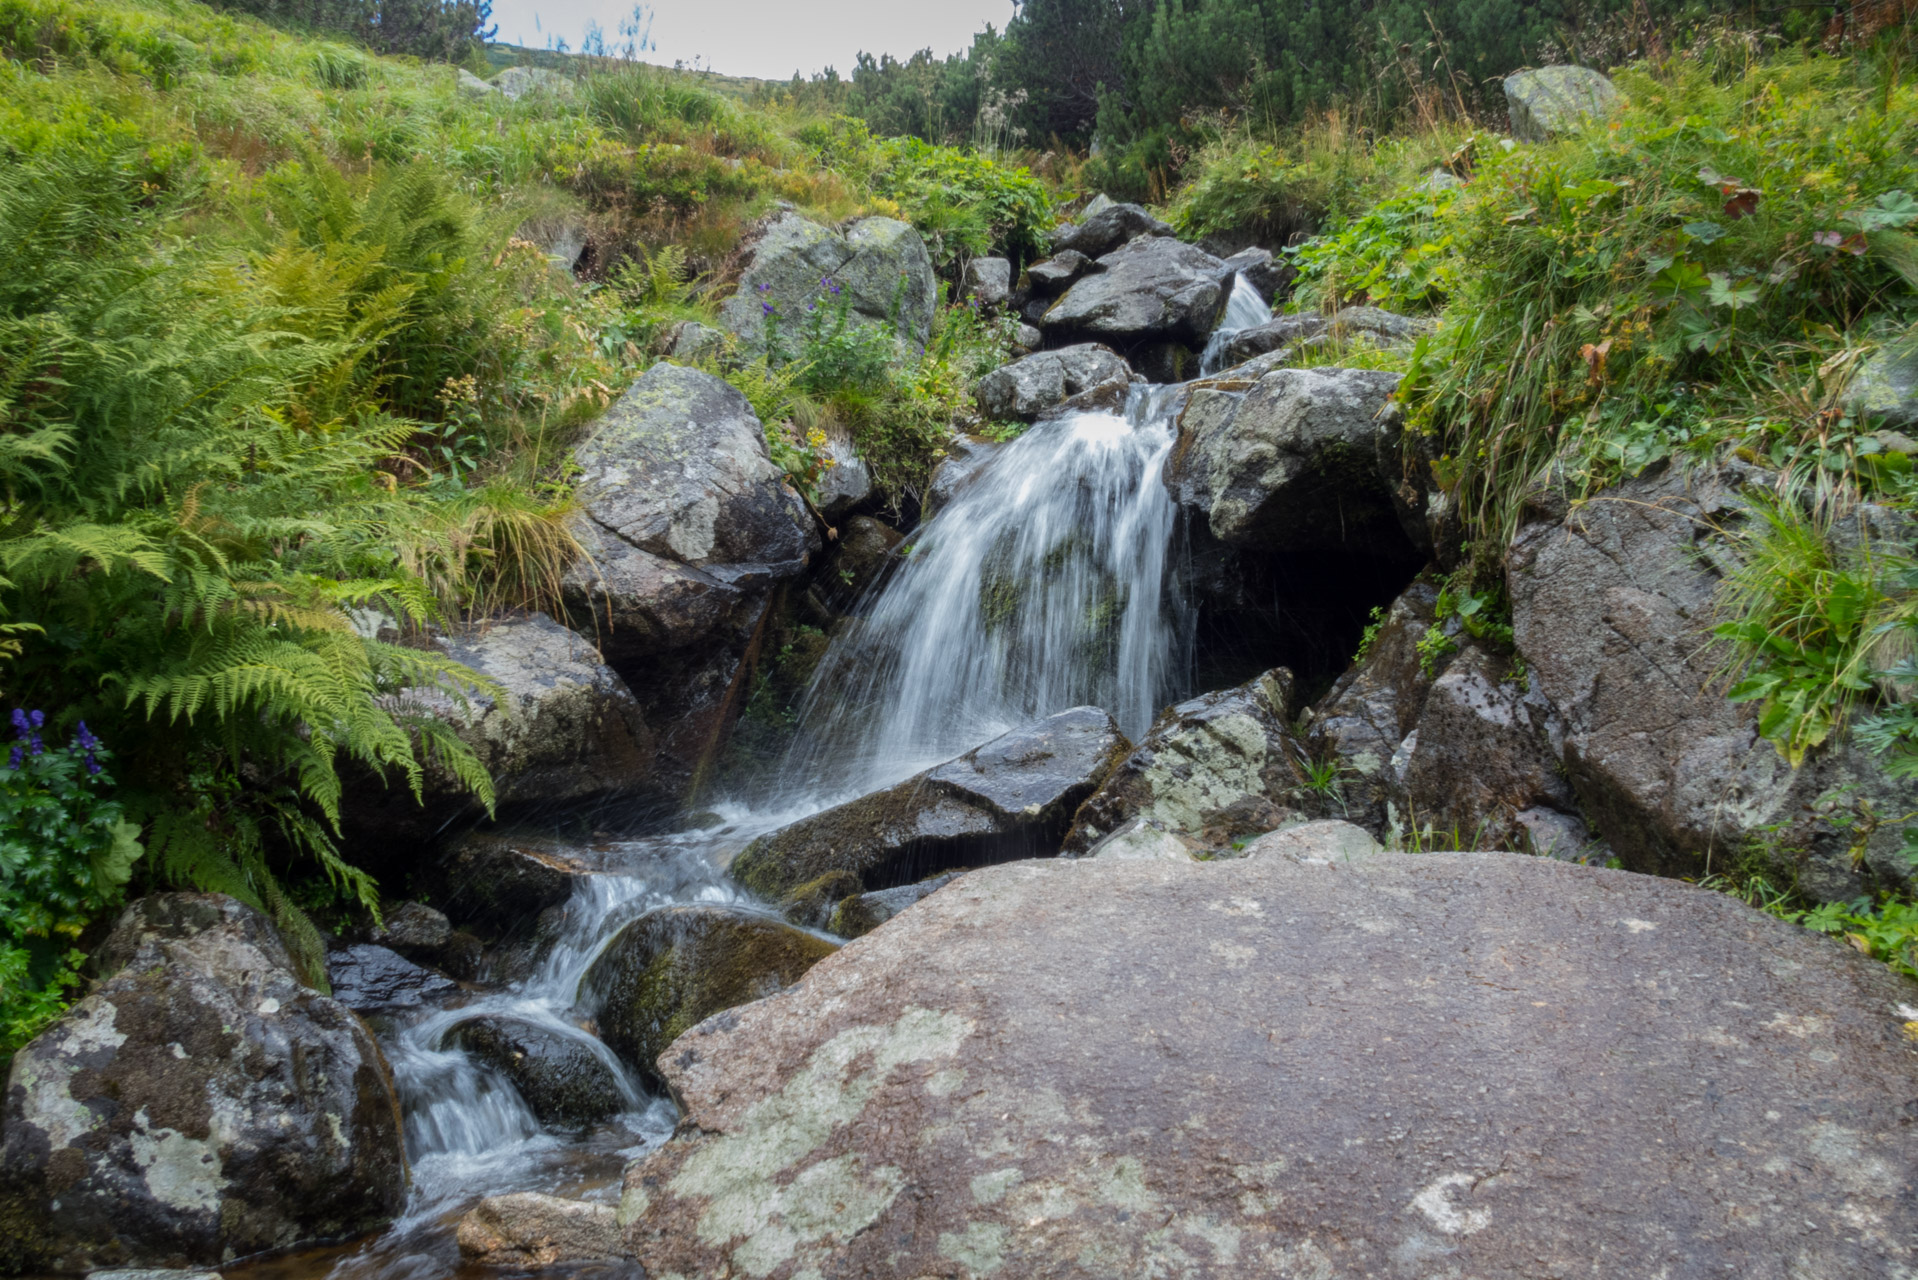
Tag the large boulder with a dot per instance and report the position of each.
(1613, 606)
(1013, 797)
(988, 281)
(677, 966)
(498, 882)
(1217, 768)
(528, 1229)
(1294, 464)
(880, 267)
(515, 83)
(687, 526)
(1056, 274)
(1106, 228)
(199, 1106)
(1550, 101)
(1486, 1066)
(564, 1082)
(1152, 290)
(1025, 389)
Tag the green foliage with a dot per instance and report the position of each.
(1370, 635)
(967, 205)
(1885, 931)
(1395, 256)
(66, 854)
(443, 29)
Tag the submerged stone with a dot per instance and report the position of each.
(562, 1081)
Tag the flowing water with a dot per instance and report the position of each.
(1046, 583)
(1244, 309)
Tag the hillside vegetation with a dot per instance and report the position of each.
(282, 348)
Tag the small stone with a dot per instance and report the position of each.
(529, 1229)
(1316, 843)
(858, 916)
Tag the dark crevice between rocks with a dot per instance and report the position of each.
(926, 858)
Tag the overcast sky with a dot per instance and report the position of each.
(766, 38)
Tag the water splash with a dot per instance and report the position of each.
(1244, 309)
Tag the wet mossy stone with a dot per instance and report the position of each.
(857, 916)
(1014, 797)
(811, 905)
(561, 1079)
(673, 968)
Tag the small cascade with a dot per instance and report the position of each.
(1244, 309)
(1044, 585)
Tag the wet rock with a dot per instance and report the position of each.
(880, 266)
(561, 1079)
(861, 557)
(1281, 333)
(1012, 797)
(965, 456)
(988, 281)
(1885, 390)
(1485, 752)
(1053, 276)
(501, 882)
(515, 83)
(677, 966)
(199, 1105)
(1293, 464)
(687, 527)
(1361, 1069)
(1613, 608)
(415, 930)
(168, 1273)
(1097, 234)
(1255, 266)
(530, 1229)
(1550, 101)
(1217, 768)
(858, 916)
(811, 905)
(369, 979)
(1025, 389)
(1325, 842)
(1151, 290)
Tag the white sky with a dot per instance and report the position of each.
(766, 38)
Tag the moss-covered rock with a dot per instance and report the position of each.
(673, 968)
(810, 906)
(857, 916)
(1011, 798)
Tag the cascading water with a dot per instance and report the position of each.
(1044, 585)
(1047, 583)
(1244, 309)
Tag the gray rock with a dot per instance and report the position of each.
(1053, 276)
(1325, 842)
(1388, 327)
(1096, 206)
(198, 1106)
(1484, 754)
(811, 905)
(370, 979)
(1551, 101)
(859, 915)
(1293, 464)
(675, 967)
(1280, 333)
(861, 558)
(846, 483)
(501, 882)
(1025, 389)
(1885, 389)
(471, 86)
(880, 265)
(1154, 288)
(515, 83)
(530, 1229)
(1552, 833)
(1613, 609)
(1144, 839)
(1097, 234)
(1256, 267)
(988, 281)
(1216, 768)
(414, 929)
(1027, 338)
(166, 1273)
(1013, 796)
(561, 1079)
(965, 456)
(1441, 180)
(695, 343)
(1278, 1068)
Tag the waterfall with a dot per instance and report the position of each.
(1044, 585)
(1245, 309)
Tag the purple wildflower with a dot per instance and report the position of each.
(35, 745)
(20, 722)
(17, 758)
(39, 718)
(84, 737)
(763, 288)
(93, 766)
(767, 307)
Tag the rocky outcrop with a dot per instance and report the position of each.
(690, 342)
(529, 1229)
(471, 86)
(1550, 101)
(1106, 228)
(1613, 606)
(1292, 1067)
(562, 1080)
(198, 1106)
(1013, 797)
(1217, 768)
(879, 266)
(687, 526)
(1025, 389)
(1152, 291)
(1293, 464)
(677, 966)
